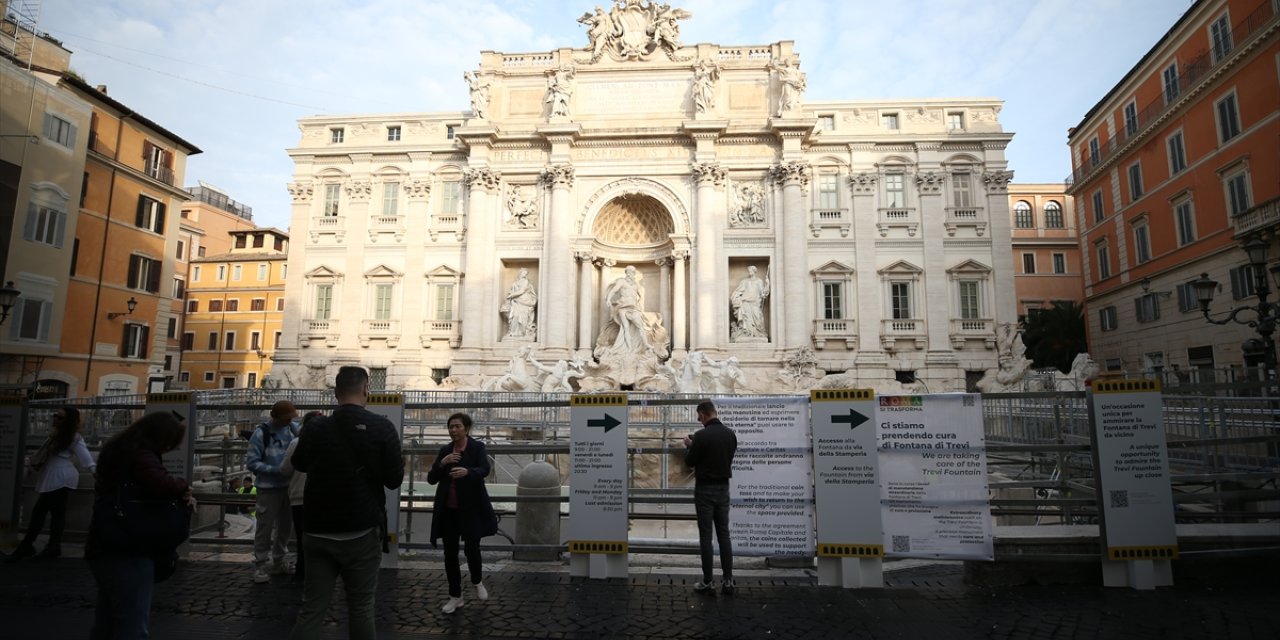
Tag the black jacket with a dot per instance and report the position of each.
(474, 507)
(348, 458)
(711, 453)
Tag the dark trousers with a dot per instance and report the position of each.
(451, 531)
(299, 528)
(125, 585)
(711, 502)
(52, 503)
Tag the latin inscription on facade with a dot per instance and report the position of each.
(630, 153)
(625, 98)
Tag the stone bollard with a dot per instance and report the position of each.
(538, 522)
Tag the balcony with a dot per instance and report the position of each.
(446, 222)
(450, 330)
(963, 330)
(388, 330)
(386, 225)
(895, 331)
(899, 218)
(158, 171)
(334, 225)
(835, 329)
(1262, 217)
(830, 219)
(965, 217)
(319, 329)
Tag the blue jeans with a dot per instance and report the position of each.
(357, 562)
(711, 502)
(125, 585)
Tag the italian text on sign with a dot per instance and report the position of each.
(598, 472)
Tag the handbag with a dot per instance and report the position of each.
(130, 523)
(41, 456)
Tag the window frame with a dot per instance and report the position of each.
(1028, 263)
(1130, 118)
(1220, 37)
(60, 131)
(1059, 263)
(134, 343)
(337, 135)
(832, 299)
(1184, 224)
(390, 198)
(150, 214)
(332, 201)
(1142, 241)
(394, 133)
(1102, 253)
(1169, 83)
(1134, 174)
(1023, 215)
(1054, 216)
(1099, 206)
(1228, 124)
(1237, 186)
(1175, 146)
(890, 121)
(1108, 318)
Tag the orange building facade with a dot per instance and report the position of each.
(1046, 246)
(1173, 170)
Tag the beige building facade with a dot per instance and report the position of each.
(641, 210)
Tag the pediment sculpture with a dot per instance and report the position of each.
(633, 29)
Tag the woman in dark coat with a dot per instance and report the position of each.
(462, 508)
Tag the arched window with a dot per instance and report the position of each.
(1053, 215)
(1022, 217)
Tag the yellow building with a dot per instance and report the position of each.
(235, 305)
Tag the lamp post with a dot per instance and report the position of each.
(131, 304)
(1265, 314)
(8, 298)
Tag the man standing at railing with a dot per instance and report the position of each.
(710, 453)
(267, 447)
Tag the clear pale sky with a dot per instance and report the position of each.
(234, 76)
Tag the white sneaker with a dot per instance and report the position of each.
(481, 592)
(452, 605)
(261, 576)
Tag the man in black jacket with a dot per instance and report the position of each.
(710, 453)
(348, 457)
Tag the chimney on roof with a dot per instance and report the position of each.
(102, 88)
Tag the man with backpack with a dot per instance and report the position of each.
(267, 448)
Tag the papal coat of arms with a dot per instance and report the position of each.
(633, 29)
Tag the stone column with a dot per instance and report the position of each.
(557, 256)
(934, 295)
(710, 272)
(1005, 302)
(866, 287)
(797, 314)
(680, 312)
(664, 291)
(479, 321)
(586, 307)
(606, 277)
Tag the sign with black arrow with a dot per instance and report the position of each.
(597, 525)
(608, 422)
(853, 419)
(846, 487)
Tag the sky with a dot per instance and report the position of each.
(234, 76)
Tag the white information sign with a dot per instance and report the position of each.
(772, 487)
(12, 451)
(1133, 469)
(933, 470)
(846, 473)
(598, 479)
(180, 461)
(391, 407)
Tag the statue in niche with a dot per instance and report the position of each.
(748, 208)
(559, 90)
(748, 308)
(632, 342)
(705, 76)
(793, 83)
(479, 93)
(519, 307)
(522, 209)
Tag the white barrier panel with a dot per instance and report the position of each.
(180, 461)
(391, 407)
(933, 470)
(12, 450)
(846, 487)
(597, 535)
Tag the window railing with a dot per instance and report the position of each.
(380, 326)
(328, 222)
(450, 330)
(1194, 71)
(158, 171)
(1262, 216)
(835, 329)
(901, 327)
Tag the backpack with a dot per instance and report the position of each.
(265, 428)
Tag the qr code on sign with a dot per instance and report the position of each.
(969, 401)
(1119, 499)
(902, 544)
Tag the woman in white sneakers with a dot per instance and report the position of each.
(462, 508)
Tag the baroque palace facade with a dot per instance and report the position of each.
(638, 209)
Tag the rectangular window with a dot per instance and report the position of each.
(324, 301)
(193, 306)
(444, 302)
(252, 381)
(1023, 217)
(970, 303)
(222, 272)
(390, 198)
(1098, 212)
(826, 123)
(179, 288)
(1104, 261)
(1107, 318)
(1244, 282)
(955, 121)
(233, 304)
(255, 340)
(1237, 185)
(382, 302)
(832, 301)
(215, 306)
(1135, 181)
(172, 329)
(188, 341)
(279, 304)
(1184, 218)
(44, 226)
(258, 241)
(135, 341)
(377, 378)
(277, 339)
(337, 135)
(213, 341)
(236, 271)
(242, 241)
(150, 215)
(1130, 118)
(229, 342)
(1177, 153)
(1220, 36)
(84, 188)
(144, 274)
(449, 131)
(1170, 78)
(208, 376)
(889, 121)
(181, 253)
(1028, 263)
(184, 376)
(332, 192)
(895, 191)
(452, 194)
(1059, 263)
(1095, 152)
(1053, 215)
(1228, 118)
(262, 272)
(393, 133)
(195, 273)
(31, 319)
(200, 252)
(1187, 300)
(258, 304)
(961, 193)
(59, 131)
(828, 195)
(75, 255)
(1142, 243)
(900, 300)
(1147, 307)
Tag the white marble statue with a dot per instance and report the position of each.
(520, 308)
(519, 376)
(691, 373)
(632, 29)
(705, 76)
(558, 375)
(559, 90)
(627, 328)
(479, 93)
(748, 207)
(522, 211)
(748, 307)
(726, 375)
(792, 82)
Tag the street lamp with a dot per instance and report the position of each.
(8, 297)
(131, 304)
(1265, 314)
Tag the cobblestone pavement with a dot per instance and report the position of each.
(214, 599)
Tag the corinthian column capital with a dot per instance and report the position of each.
(790, 173)
(558, 175)
(708, 173)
